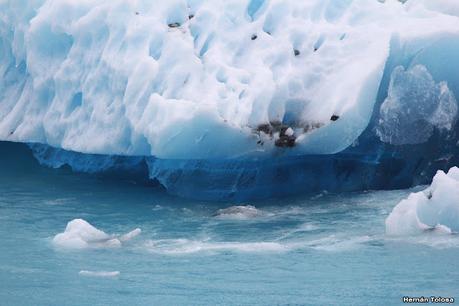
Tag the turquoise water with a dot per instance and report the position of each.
(321, 250)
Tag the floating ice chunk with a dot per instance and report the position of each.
(99, 273)
(79, 234)
(239, 212)
(435, 209)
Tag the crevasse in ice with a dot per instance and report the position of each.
(235, 97)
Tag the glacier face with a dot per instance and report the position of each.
(196, 79)
(235, 99)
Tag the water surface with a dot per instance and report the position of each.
(315, 250)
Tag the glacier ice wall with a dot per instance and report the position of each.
(235, 99)
(195, 79)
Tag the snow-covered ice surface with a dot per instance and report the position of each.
(435, 209)
(196, 79)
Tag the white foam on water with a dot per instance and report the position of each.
(186, 246)
(333, 243)
(59, 201)
(130, 235)
(438, 238)
(102, 274)
(330, 243)
(304, 228)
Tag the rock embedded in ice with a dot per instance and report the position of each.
(334, 118)
(436, 208)
(79, 234)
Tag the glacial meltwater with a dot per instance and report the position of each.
(326, 249)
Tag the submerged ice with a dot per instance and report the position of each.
(415, 106)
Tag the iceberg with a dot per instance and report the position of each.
(70, 70)
(235, 99)
(436, 208)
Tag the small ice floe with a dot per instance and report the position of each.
(239, 213)
(435, 210)
(102, 274)
(79, 234)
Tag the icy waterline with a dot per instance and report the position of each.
(232, 79)
(356, 169)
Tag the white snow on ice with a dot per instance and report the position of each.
(79, 234)
(195, 78)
